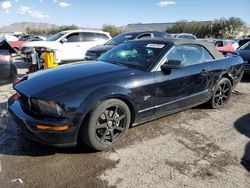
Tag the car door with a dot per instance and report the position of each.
(71, 47)
(183, 87)
(89, 40)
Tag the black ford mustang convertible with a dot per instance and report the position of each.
(135, 82)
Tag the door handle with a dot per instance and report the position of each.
(78, 46)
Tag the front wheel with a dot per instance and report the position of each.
(221, 93)
(107, 124)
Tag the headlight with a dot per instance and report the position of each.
(49, 108)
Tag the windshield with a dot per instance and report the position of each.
(139, 55)
(55, 36)
(121, 38)
(245, 46)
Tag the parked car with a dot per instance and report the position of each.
(184, 36)
(8, 71)
(244, 52)
(97, 51)
(135, 82)
(243, 41)
(13, 41)
(70, 45)
(235, 44)
(8, 38)
(31, 38)
(224, 45)
(17, 45)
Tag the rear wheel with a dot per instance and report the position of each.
(107, 124)
(221, 93)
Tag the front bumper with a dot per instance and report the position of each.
(48, 137)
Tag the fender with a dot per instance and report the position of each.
(104, 93)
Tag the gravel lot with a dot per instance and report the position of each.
(195, 148)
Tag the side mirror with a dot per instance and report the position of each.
(171, 64)
(64, 40)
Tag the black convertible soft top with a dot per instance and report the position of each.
(210, 47)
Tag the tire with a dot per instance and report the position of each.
(221, 94)
(107, 124)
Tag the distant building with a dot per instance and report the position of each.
(154, 26)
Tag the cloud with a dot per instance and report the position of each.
(165, 3)
(6, 5)
(55, 1)
(31, 12)
(41, 1)
(63, 4)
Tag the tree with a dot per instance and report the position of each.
(112, 29)
(197, 28)
(227, 28)
(222, 28)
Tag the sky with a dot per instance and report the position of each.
(96, 13)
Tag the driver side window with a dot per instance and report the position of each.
(189, 54)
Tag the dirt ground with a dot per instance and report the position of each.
(199, 147)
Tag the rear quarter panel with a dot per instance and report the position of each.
(231, 67)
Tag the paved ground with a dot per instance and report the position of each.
(195, 148)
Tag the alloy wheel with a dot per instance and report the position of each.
(110, 125)
(222, 94)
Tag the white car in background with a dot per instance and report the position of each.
(235, 44)
(184, 36)
(8, 38)
(69, 45)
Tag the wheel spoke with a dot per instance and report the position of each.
(106, 113)
(119, 128)
(217, 95)
(115, 112)
(226, 90)
(111, 135)
(218, 101)
(101, 126)
(120, 118)
(221, 101)
(224, 96)
(223, 86)
(105, 134)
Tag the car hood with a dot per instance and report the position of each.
(101, 48)
(39, 44)
(47, 84)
